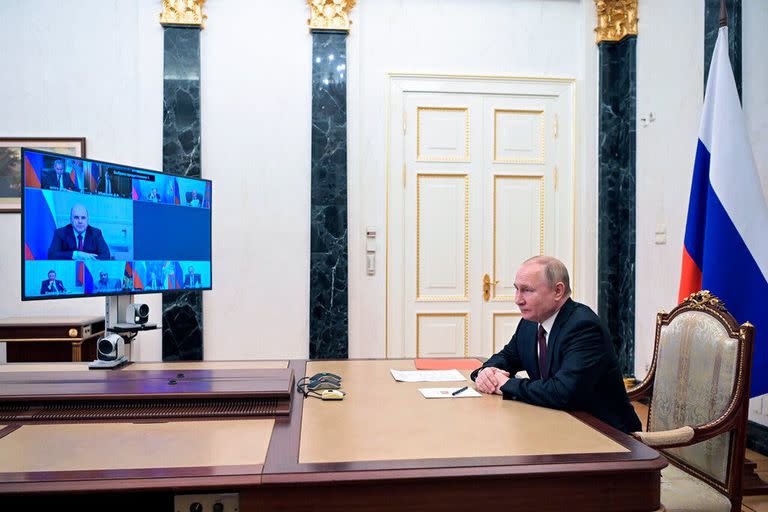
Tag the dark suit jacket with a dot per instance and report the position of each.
(190, 283)
(45, 286)
(119, 185)
(584, 372)
(50, 180)
(64, 243)
(157, 284)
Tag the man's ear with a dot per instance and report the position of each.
(559, 290)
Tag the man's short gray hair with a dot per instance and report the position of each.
(554, 270)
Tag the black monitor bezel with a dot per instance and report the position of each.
(24, 298)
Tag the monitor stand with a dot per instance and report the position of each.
(123, 327)
(98, 364)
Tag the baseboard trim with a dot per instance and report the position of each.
(757, 437)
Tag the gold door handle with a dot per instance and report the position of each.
(487, 283)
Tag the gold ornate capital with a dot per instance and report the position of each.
(616, 19)
(183, 12)
(330, 14)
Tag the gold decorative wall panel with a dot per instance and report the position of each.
(442, 134)
(444, 253)
(616, 19)
(463, 316)
(518, 136)
(330, 14)
(183, 12)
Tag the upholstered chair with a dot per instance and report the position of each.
(698, 386)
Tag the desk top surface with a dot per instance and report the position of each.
(382, 427)
(382, 419)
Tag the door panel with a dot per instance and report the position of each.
(442, 237)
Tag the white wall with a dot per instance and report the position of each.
(256, 125)
(93, 68)
(670, 62)
(489, 37)
(79, 69)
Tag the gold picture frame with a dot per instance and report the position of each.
(10, 163)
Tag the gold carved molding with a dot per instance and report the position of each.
(330, 14)
(616, 19)
(183, 12)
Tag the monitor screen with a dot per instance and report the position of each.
(97, 228)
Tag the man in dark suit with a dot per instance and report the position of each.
(193, 198)
(564, 348)
(57, 179)
(154, 196)
(191, 280)
(78, 240)
(112, 183)
(51, 285)
(154, 283)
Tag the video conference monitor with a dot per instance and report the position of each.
(91, 228)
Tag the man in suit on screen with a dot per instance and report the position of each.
(565, 349)
(191, 280)
(154, 283)
(51, 285)
(57, 179)
(77, 240)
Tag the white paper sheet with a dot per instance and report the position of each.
(447, 393)
(427, 375)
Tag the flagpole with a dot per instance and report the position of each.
(723, 14)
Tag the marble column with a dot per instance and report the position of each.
(711, 28)
(616, 196)
(328, 309)
(182, 310)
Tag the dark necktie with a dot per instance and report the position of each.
(542, 352)
(80, 242)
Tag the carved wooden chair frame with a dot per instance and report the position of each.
(734, 417)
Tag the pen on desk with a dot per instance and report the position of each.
(459, 391)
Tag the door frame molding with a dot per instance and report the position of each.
(398, 85)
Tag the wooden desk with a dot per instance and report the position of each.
(382, 448)
(30, 339)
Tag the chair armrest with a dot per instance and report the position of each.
(666, 438)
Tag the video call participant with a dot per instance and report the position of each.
(113, 184)
(565, 349)
(51, 285)
(103, 283)
(58, 179)
(154, 196)
(194, 199)
(154, 283)
(191, 280)
(77, 240)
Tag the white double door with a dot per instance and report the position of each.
(487, 183)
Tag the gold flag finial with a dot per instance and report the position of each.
(183, 12)
(330, 14)
(616, 19)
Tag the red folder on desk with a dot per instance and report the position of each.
(447, 364)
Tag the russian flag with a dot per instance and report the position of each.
(726, 247)
(33, 168)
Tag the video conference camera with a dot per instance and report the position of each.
(110, 352)
(137, 314)
(111, 347)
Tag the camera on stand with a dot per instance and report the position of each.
(113, 349)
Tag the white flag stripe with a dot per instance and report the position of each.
(732, 170)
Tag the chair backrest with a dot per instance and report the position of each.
(701, 369)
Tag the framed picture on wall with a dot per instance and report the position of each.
(10, 163)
